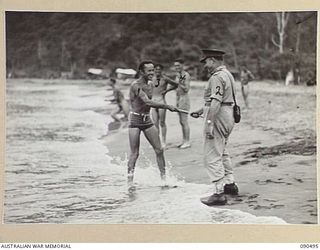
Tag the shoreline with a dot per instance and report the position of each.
(273, 150)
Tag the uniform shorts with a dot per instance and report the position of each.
(183, 102)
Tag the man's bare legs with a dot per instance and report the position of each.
(183, 118)
(159, 120)
(114, 114)
(163, 126)
(155, 117)
(152, 136)
(245, 93)
(134, 140)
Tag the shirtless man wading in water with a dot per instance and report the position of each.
(139, 120)
(160, 89)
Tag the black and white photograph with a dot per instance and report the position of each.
(160, 118)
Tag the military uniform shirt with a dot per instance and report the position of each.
(219, 86)
(216, 157)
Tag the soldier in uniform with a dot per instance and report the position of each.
(218, 124)
(160, 89)
(183, 101)
(140, 121)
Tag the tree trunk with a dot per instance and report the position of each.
(280, 43)
(282, 21)
(259, 70)
(298, 38)
(296, 67)
(63, 55)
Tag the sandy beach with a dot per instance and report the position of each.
(64, 166)
(273, 150)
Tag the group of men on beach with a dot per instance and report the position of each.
(148, 113)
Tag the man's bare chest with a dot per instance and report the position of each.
(147, 88)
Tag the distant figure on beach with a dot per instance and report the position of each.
(245, 77)
(139, 120)
(218, 124)
(160, 89)
(122, 103)
(183, 101)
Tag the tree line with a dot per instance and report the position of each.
(42, 44)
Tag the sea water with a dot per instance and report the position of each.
(58, 169)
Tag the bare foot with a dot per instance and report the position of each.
(131, 189)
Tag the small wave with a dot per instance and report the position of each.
(151, 204)
(23, 109)
(46, 136)
(36, 172)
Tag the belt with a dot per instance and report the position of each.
(144, 116)
(135, 113)
(222, 104)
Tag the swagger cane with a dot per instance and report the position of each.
(187, 112)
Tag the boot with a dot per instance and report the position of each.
(215, 200)
(231, 189)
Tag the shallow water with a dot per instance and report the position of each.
(58, 170)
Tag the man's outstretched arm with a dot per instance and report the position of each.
(154, 104)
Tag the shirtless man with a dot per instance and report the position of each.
(183, 101)
(160, 89)
(245, 77)
(122, 104)
(139, 120)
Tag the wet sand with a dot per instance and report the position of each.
(273, 150)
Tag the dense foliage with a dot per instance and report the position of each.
(38, 42)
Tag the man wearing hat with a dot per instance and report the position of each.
(218, 124)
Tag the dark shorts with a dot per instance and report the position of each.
(244, 83)
(140, 121)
